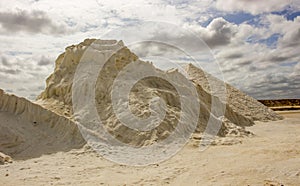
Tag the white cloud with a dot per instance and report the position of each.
(23, 76)
(252, 6)
(32, 22)
(248, 65)
(218, 33)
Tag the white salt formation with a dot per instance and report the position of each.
(241, 110)
(47, 125)
(29, 130)
(236, 100)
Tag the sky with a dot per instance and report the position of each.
(256, 43)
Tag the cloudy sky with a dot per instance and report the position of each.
(256, 43)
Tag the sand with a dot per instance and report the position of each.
(272, 156)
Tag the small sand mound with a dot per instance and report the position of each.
(28, 130)
(236, 101)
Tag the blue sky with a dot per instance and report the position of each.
(256, 43)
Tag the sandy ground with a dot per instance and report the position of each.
(271, 157)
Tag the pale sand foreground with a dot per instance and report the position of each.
(271, 156)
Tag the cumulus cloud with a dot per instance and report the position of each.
(23, 76)
(290, 29)
(252, 6)
(292, 37)
(219, 32)
(10, 71)
(296, 73)
(166, 39)
(233, 55)
(31, 22)
(277, 83)
(4, 61)
(44, 61)
(261, 79)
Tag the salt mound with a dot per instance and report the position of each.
(28, 130)
(236, 100)
(48, 125)
(241, 110)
